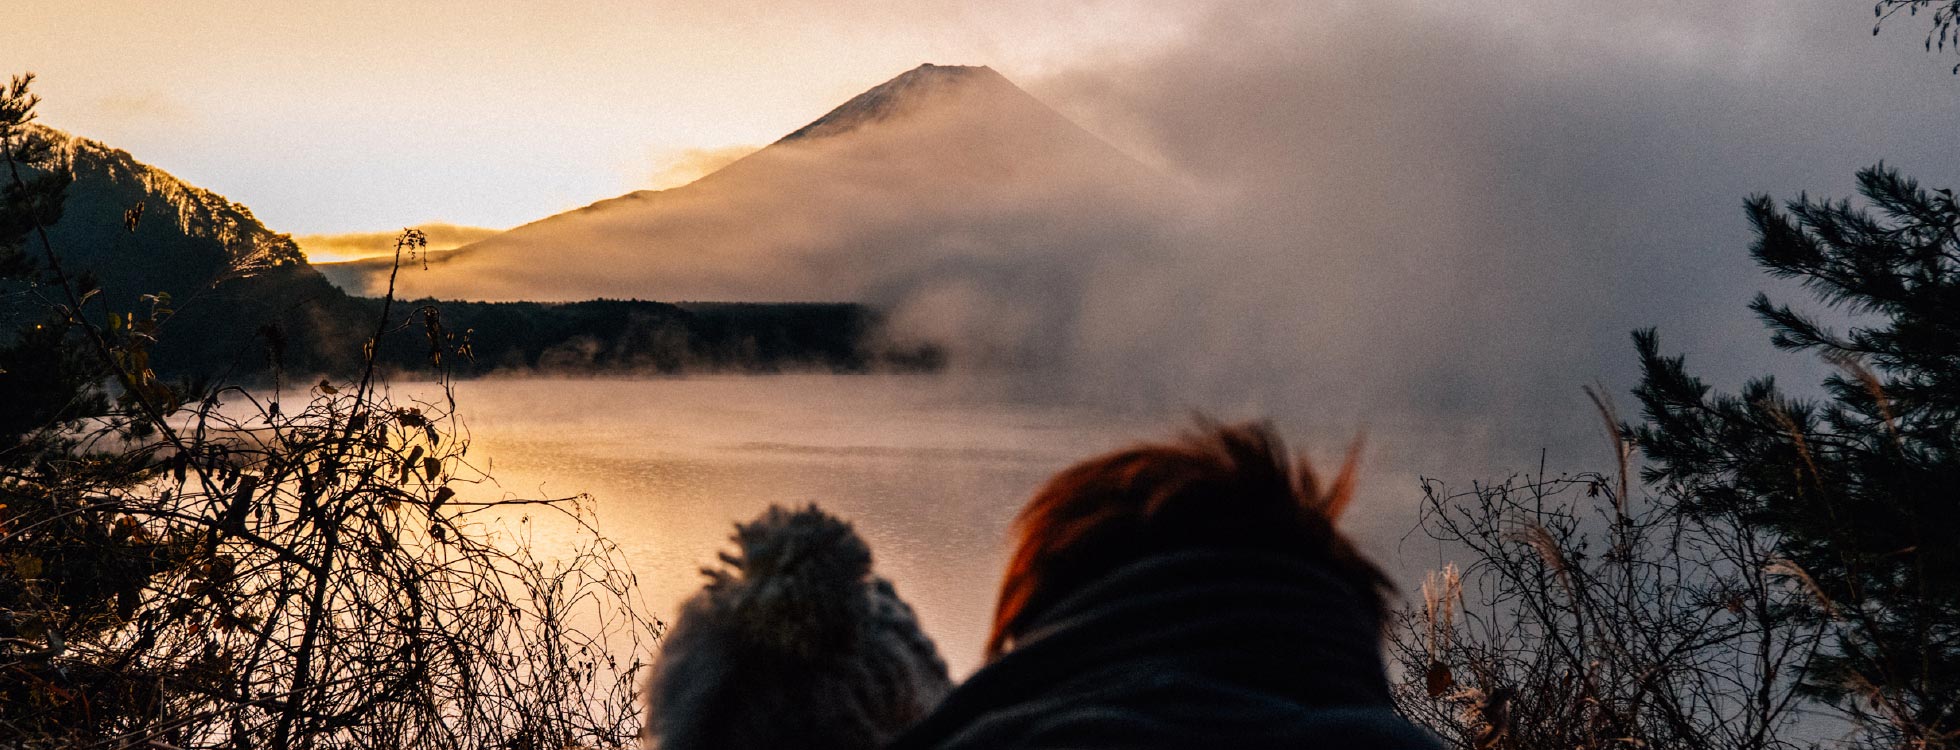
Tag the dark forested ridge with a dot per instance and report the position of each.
(242, 299)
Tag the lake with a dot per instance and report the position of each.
(930, 469)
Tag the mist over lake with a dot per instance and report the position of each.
(1395, 375)
(930, 469)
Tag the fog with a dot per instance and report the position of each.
(334, 248)
(1428, 226)
(1461, 213)
(1424, 222)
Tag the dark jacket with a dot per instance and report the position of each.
(1205, 649)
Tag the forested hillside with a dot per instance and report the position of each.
(236, 298)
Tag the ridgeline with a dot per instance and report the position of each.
(243, 302)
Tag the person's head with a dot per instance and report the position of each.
(795, 643)
(1220, 487)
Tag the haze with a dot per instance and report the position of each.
(1440, 216)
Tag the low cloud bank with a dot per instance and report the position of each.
(337, 248)
(1442, 220)
(1435, 222)
(677, 168)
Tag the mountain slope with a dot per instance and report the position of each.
(913, 90)
(185, 236)
(944, 172)
(226, 274)
(244, 296)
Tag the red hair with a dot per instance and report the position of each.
(1218, 487)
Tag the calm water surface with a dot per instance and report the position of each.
(929, 469)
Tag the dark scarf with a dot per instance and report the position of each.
(1208, 648)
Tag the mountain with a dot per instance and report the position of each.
(918, 89)
(243, 296)
(184, 235)
(131, 230)
(944, 172)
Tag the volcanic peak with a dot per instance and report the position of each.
(901, 93)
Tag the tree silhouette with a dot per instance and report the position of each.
(1942, 15)
(1862, 486)
(45, 368)
(216, 567)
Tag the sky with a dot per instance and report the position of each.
(1416, 212)
(370, 116)
(1432, 221)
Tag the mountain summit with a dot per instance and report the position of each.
(942, 169)
(893, 98)
(244, 303)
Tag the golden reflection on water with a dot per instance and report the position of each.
(930, 470)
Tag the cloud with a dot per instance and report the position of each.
(1435, 222)
(680, 167)
(983, 189)
(336, 248)
(128, 107)
(1451, 216)
(130, 117)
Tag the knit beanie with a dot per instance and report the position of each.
(793, 642)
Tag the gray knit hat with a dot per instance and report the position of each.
(793, 644)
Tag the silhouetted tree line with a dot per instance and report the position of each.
(244, 302)
(292, 319)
